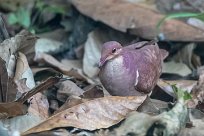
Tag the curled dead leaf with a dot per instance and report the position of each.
(137, 19)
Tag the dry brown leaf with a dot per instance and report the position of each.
(68, 88)
(46, 58)
(139, 20)
(89, 93)
(95, 114)
(23, 42)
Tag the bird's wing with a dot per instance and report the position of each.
(139, 45)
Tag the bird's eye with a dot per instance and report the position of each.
(113, 50)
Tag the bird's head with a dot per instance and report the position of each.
(109, 51)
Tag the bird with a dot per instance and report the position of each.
(131, 70)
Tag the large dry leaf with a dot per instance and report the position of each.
(89, 93)
(139, 20)
(95, 114)
(71, 102)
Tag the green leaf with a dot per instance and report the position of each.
(40, 5)
(180, 93)
(180, 15)
(55, 9)
(12, 19)
(24, 17)
(21, 17)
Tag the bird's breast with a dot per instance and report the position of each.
(115, 68)
(116, 77)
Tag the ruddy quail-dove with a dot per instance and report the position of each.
(130, 70)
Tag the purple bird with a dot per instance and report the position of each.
(130, 70)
